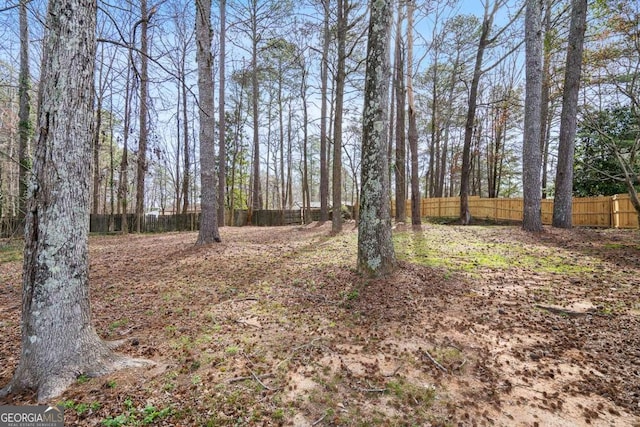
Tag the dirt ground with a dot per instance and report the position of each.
(480, 325)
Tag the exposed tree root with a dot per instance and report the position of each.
(51, 385)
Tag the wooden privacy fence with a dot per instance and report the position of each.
(605, 211)
(266, 217)
(13, 227)
(615, 212)
(191, 221)
(150, 223)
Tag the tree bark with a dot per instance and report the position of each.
(305, 147)
(545, 111)
(24, 112)
(256, 196)
(401, 144)
(186, 156)
(222, 149)
(562, 207)
(58, 341)
(413, 127)
(324, 77)
(376, 255)
(465, 215)
(95, 144)
(209, 232)
(123, 188)
(336, 221)
(532, 157)
(141, 171)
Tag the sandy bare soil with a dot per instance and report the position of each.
(481, 325)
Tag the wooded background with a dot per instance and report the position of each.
(289, 80)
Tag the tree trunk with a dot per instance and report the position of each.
(413, 127)
(123, 190)
(112, 168)
(58, 341)
(305, 149)
(532, 157)
(256, 196)
(465, 215)
(178, 177)
(222, 149)
(324, 78)
(545, 114)
(24, 113)
(562, 207)
(186, 156)
(448, 120)
(95, 145)
(376, 256)
(290, 157)
(401, 144)
(209, 232)
(433, 152)
(141, 171)
(392, 119)
(269, 116)
(336, 225)
(283, 190)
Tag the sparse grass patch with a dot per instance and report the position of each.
(455, 255)
(411, 394)
(232, 350)
(83, 378)
(118, 324)
(449, 357)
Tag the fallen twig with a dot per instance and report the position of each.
(255, 377)
(319, 420)
(435, 362)
(393, 374)
(266, 387)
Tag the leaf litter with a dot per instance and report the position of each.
(480, 325)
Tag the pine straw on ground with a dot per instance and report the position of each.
(479, 326)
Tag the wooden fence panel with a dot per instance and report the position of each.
(604, 211)
(508, 209)
(482, 208)
(266, 217)
(546, 209)
(624, 215)
(592, 211)
(441, 207)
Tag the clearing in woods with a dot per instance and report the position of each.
(481, 325)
